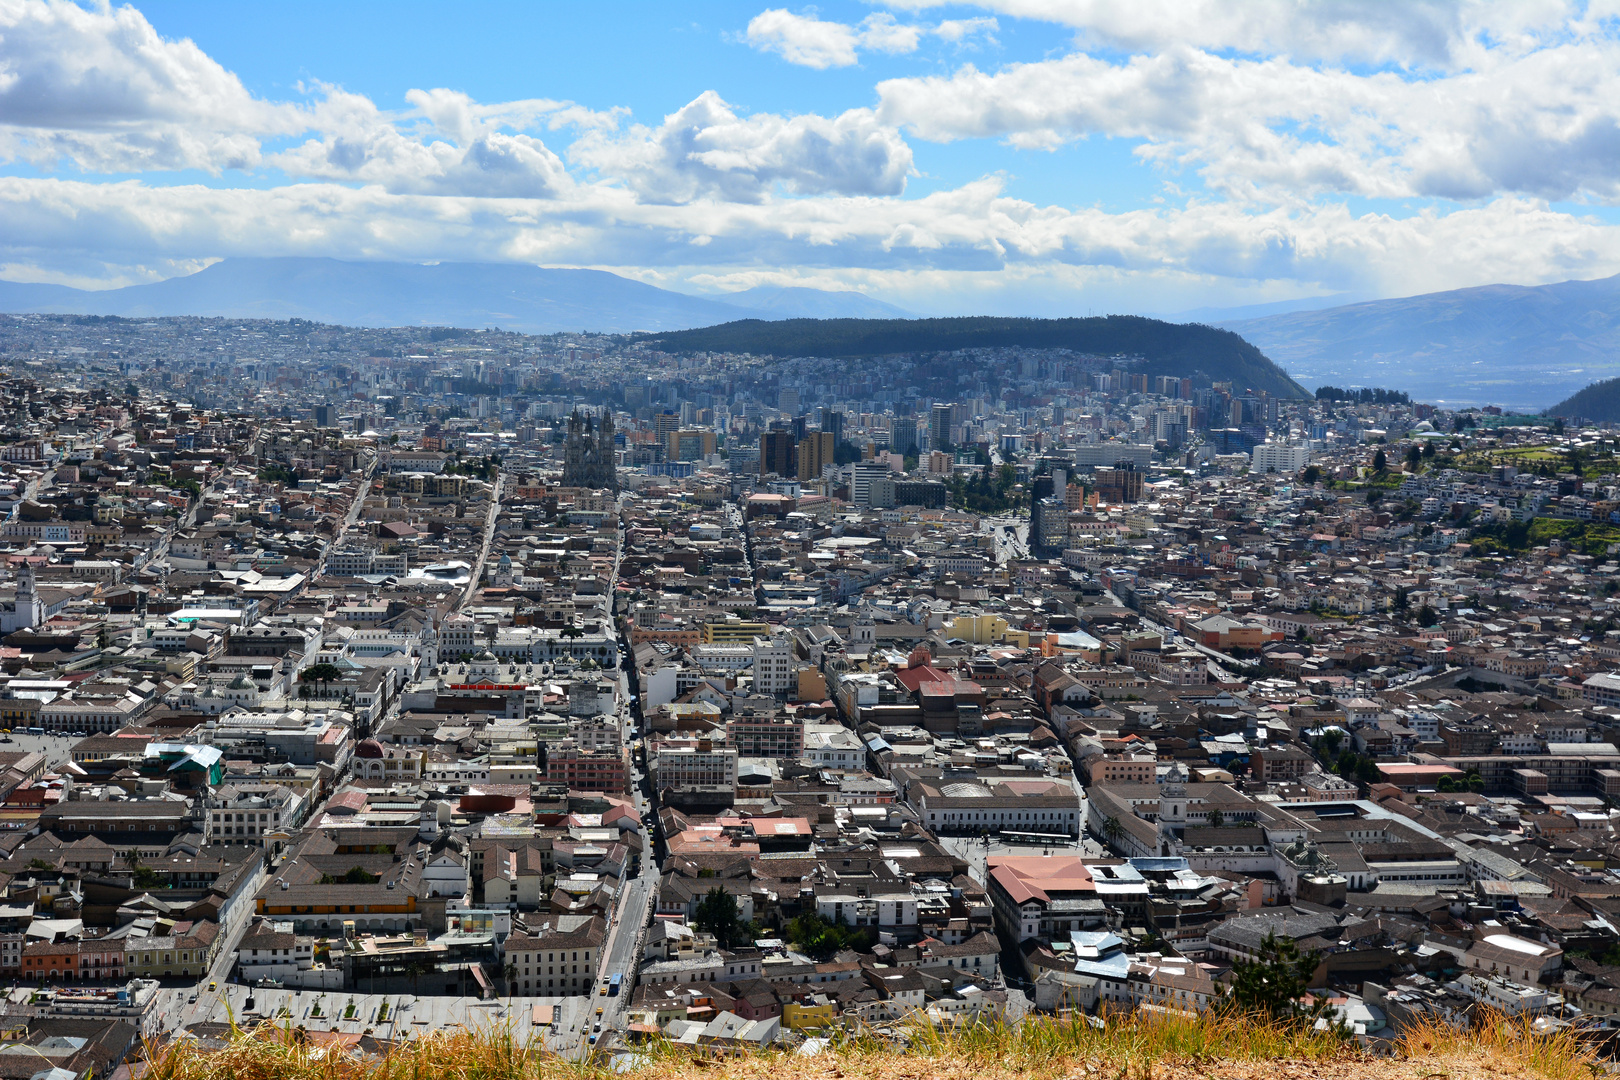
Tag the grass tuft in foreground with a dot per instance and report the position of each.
(1165, 1046)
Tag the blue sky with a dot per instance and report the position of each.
(1039, 157)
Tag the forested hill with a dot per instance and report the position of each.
(1599, 402)
(1185, 349)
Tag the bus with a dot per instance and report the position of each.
(614, 983)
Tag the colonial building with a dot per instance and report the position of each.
(588, 455)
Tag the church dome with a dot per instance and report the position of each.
(369, 748)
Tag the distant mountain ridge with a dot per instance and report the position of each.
(1180, 349)
(529, 299)
(1512, 345)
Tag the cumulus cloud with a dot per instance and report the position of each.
(1546, 123)
(100, 89)
(816, 43)
(706, 150)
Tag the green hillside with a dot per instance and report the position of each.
(1185, 349)
(1599, 401)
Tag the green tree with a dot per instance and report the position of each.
(1380, 463)
(1312, 474)
(1113, 829)
(1272, 986)
(717, 914)
(321, 673)
(820, 939)
(1216, 819)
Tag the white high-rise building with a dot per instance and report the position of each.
(1280, 458)
(773, 665)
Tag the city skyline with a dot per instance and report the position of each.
(1012, 156)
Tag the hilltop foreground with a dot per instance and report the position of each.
(1164, 1047)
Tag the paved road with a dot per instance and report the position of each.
(348, 519)
(483, 549)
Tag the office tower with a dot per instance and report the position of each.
(939, 426)
(815, 451)
(778, 453)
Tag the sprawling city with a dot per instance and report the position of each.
(388, 681)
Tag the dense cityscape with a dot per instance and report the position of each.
(385, 681)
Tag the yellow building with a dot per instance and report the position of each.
(818, 1013)
(734, 633)
(976, 629)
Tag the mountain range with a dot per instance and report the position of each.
(1517, 346)
(529, 299)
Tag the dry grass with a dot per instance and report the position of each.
(1136, 1047)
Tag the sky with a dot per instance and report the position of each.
(1027, 157)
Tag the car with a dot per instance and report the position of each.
(592, 1040)
(599, 1010)
(602, 991)
(192, 1000)
(597, 1026)
(212, 985)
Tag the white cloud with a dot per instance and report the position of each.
(1546, 123)
(359, 142)
(706, 150)
(1513, 105)
(816, 43)
(1439, 33)
(101, 89)
(803, 39)
(972, 233)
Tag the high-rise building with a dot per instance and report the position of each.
(688, 445)
(815, 451)
(778, 453)
(325, 416)
(1120, 485)
(939, 426)
(832, 422)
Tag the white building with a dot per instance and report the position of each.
(1280, 458)
(773, 665)
(695, 767)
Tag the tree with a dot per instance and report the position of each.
(1216, 819)
(1312, 474)
(1272, 985)
(717, 914)
(1427, 616)
(510, 971)
(1414, 458)
(321, 673)
(1380, 463)
(820, 939)
(1113, 829)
